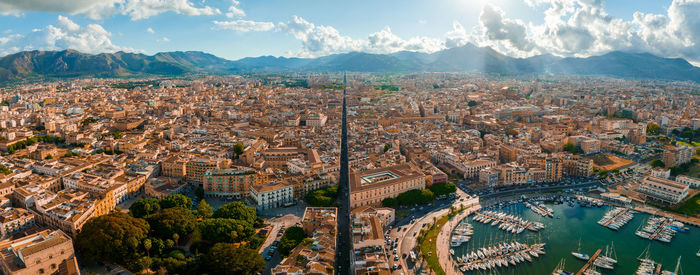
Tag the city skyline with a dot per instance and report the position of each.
(316, 28)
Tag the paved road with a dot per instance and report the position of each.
(510, 192)
(407, 232)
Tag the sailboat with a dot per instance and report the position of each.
(609, 254)
(559, 270)
(697, 253)
(578, 253)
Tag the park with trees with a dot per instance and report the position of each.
(169, 236)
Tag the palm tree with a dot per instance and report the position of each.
(175, 238)
(147, 246)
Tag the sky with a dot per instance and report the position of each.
(234, 29)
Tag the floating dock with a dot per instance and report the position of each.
(590, 262)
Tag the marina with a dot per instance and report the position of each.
(507, 222)
(540, 209)
(574, 223)
(461, 234)
(500, 255)
(661, 229)
(616, 218)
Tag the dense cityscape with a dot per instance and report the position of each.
(364, 137)
(226, 175)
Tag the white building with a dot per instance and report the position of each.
(271, 195)
(693, 182)
(663, 190)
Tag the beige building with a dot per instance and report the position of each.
(45, 252)
(197, 167)
(174, 167)
(370, 187)
(663, 190)
(232, 183)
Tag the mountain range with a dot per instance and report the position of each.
(468, 58)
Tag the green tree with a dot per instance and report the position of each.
(472, 103)
(114, 237)
(657, 163)
(171, 221)
(322, 197)
(204, 210)
(144, 207)
(446, 188)
(225, 230)
(390, 202)
(199, 192)
(227, 259)
(238, 149)
(386, 147)
(147, 245)
(4, 170)
(290, 239)
(176, 200)
(653, 129)
(237, 211)
(427, 196)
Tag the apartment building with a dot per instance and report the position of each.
(232, 183)
(675, 156)
(13, 220)
(195, 169)
(68, 211)
(272, 195)
(174, 167)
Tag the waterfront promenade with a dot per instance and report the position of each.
(443, 240)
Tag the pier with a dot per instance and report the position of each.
(590, 262)
(506, 222)
(659, 230)
(623, 212)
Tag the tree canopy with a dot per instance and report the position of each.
(415, 196)
(226, 259)
(204, 210)
(653, 129)
(115, 237)
(446, 188)
(144, 207)
(171, 221)
(237, 211)
(657, 163)
(176, 200)
(322, 197)
(225, 230)
(290, 239)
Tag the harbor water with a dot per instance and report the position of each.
(571, 224)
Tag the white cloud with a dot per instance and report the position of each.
(234, 11)
(244, 25)
(150, 30)
(66, 34)
(502, 33)
(101, 9)
(322, 40)
(163, 39)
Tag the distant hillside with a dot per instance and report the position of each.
(468, 58)
(70, 63)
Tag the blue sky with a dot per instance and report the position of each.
(235, 29)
